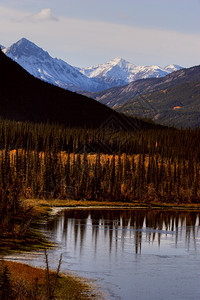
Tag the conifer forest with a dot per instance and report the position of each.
(51, 161)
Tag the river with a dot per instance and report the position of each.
(134, 254)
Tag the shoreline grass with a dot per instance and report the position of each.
(26, 280)
(45, 206)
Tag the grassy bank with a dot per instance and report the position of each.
(44, 206)
(26, 282)
(20, 232)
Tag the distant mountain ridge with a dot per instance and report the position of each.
(118, 95)
(116, 72)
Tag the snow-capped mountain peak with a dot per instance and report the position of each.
(40, 64)
(97, 70)
(25, 48)
(172, 68)
(114, 72)
(119, 61)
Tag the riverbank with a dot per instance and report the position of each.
(45, 206)
(27, 282)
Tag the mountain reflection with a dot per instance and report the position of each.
(118, 225)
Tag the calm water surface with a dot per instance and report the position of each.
(133, 254)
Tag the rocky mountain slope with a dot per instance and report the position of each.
(119, 95)
(175, 103)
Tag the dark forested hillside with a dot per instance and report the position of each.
(177, 106)
(173, 100)
(119, 95)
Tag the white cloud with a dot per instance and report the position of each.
(44, 15)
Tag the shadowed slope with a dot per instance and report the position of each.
(23, 97)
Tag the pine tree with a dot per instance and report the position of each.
(6, 289)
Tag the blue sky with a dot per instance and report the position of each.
(90, 32)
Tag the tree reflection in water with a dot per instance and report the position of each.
(118, 224)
